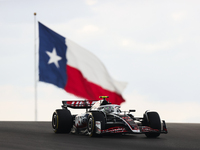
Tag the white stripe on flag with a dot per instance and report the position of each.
(91, 67)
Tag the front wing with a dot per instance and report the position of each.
(128, 129)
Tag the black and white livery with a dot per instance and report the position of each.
(102, 117)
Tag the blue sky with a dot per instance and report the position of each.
(151, 45)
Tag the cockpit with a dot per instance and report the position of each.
(105, 106)
(110, 108)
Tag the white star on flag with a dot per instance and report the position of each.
(54, 58)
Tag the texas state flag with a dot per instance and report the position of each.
(74, 69)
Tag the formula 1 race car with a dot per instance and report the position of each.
(102, 117)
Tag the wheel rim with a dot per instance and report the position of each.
(90, 125)
(54, 121)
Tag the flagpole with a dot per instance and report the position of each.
(35, 69)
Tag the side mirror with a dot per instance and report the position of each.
(131, 110)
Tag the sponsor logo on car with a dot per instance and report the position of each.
(114, 130)
(148, 129)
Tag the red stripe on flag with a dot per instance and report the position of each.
(81, 87)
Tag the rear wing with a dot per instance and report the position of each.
(78, 104)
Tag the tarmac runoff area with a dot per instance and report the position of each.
(40, 136)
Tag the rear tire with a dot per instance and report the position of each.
(152, 119)
(92, 118)
(62, 121)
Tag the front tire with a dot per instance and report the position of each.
(152, 119)
(62, 121)
(92, 118)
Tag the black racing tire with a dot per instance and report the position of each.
(152, 119)
(62, 121)
(92, 118)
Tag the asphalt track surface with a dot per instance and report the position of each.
(40, 136)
